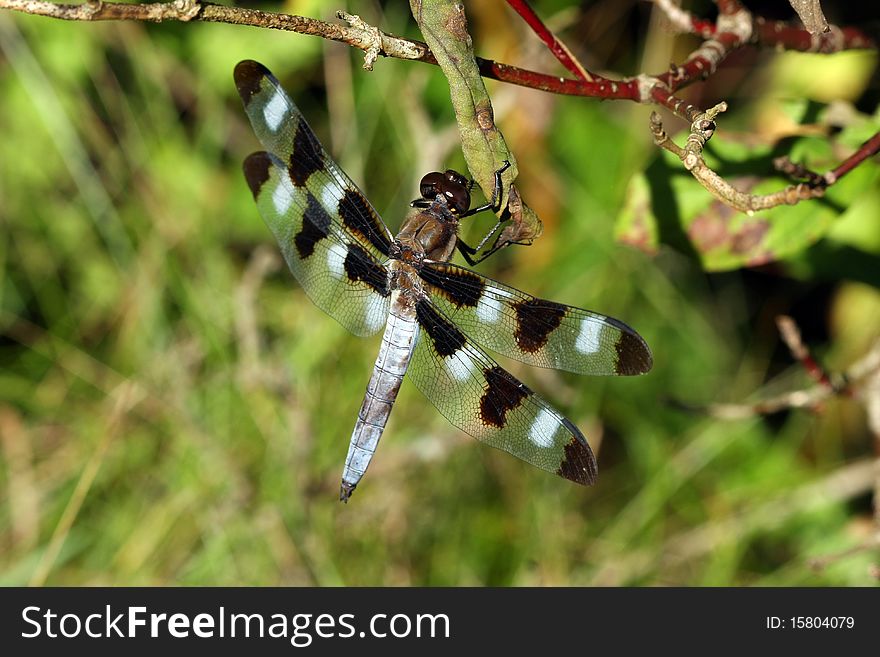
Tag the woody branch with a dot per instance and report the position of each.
(735, 28)
(367, 38)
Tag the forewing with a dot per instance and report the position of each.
(339, 274)
(283, 131)
(535, 331)
(479, 397)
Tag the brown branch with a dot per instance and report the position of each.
(810, 13)
(179, 10)
(702, 128)
(371, 40)
(735, 28)
(357, 34)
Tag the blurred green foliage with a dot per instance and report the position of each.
(666, 201)
(173, 410)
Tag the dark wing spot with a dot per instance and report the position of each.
(360, 266)
(315, 227)
(306, 157)
(579, 464)
(633, 355)
(359, 218)
(256, 170)
(248, 77)
(503, 393)
(461, 287)
(446, 338)
(536, 319)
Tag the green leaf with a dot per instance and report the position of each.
(666, 205)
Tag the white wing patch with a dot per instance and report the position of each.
(489, 307)
(588, 339)
(460, 368)
(330, 198)
(282, 196)
(275, 111)
(376, 312)
(336, 260)
(543, 428)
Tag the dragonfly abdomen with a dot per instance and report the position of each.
(394, 356)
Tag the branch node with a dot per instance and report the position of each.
(186, 9)
(691, 159)
(372, 35)
(702, 129)
(657, 129)
(646, 84)
(92, 7)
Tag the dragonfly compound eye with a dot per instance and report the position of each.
(456, 189)
(431, 185)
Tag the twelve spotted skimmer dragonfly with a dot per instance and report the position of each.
(353, 268)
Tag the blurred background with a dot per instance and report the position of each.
(174, 411)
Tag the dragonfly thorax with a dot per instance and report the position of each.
(428, 235)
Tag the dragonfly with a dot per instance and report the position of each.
(438, 317)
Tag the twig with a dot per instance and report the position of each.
(868, 149)
(559, 49)
(809, 398)
(791, 335)
(797, 171)
(810, 12)
(732, 31)
(771, 34)
(734, 28)
(774, 34)
(778, 34)
(357, 34)
(703, 127)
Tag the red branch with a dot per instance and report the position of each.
(779, 34)
(870, 148)
(702, 62)
(600, 87)
(697, 66)
(791, 335)
(559, 50)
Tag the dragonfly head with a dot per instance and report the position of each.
(451, 186)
